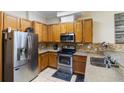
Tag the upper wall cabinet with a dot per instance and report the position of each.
(38, 29)
(11, 21)
(67, 27)
(50, 33)
(24, 23)
(44, 35)
(70, 27)
(63, 27)
(56, 32)
(78, 26)
(87, 31)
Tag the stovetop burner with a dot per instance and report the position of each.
(67, 51)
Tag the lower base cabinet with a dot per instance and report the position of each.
(50, 59)
(43, 61)
(47, 59)
(79, 64)
(53, 59)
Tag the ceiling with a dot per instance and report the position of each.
(53, 14)
(49, 14)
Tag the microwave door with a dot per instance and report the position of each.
(63, 38)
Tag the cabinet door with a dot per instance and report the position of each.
(50, 33)
(79, 63)
(87, 30)
(78, 31)
(63, 28)
(53, 60)
(37, 29)
(79, 67)
(46, 60)
(42, 62)
(69, 27)
(39, 62)
(11, 21)
(25, 24)
(44, 33)
(56, 32)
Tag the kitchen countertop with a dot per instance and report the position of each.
(97, 74)
(46, 50)
(117, 55)
(101, 74)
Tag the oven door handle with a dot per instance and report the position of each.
(65, 55)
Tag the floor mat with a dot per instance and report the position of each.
(62, 75)
(79, 78)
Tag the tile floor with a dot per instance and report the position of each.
(46, 76)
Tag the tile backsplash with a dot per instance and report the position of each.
(93, 48)
(97, 47)
(42, 46)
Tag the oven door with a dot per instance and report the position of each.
(65, 60)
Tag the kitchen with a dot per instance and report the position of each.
(80, 46)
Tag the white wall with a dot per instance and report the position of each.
(69, 18)
(33, 15)
(53, 20)
(103, 26)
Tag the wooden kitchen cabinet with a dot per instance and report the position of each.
(24, 23)
(39, 62)
(87, 31)
(78, 26)
(38, 30)
(50, 33)
(63, 27)
(43, 61)
(56, 32)
(70, 27)
(79, 64)
(53, 59)
(44, 33)
(67, 27)
(10, 21)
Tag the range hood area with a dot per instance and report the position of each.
(68, 16)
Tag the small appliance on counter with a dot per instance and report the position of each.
(55, 46)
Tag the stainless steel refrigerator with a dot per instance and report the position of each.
(20, 56)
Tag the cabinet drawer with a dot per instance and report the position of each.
(80, 58)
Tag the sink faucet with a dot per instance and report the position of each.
(111, 62)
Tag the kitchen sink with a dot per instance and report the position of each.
(100, 62)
